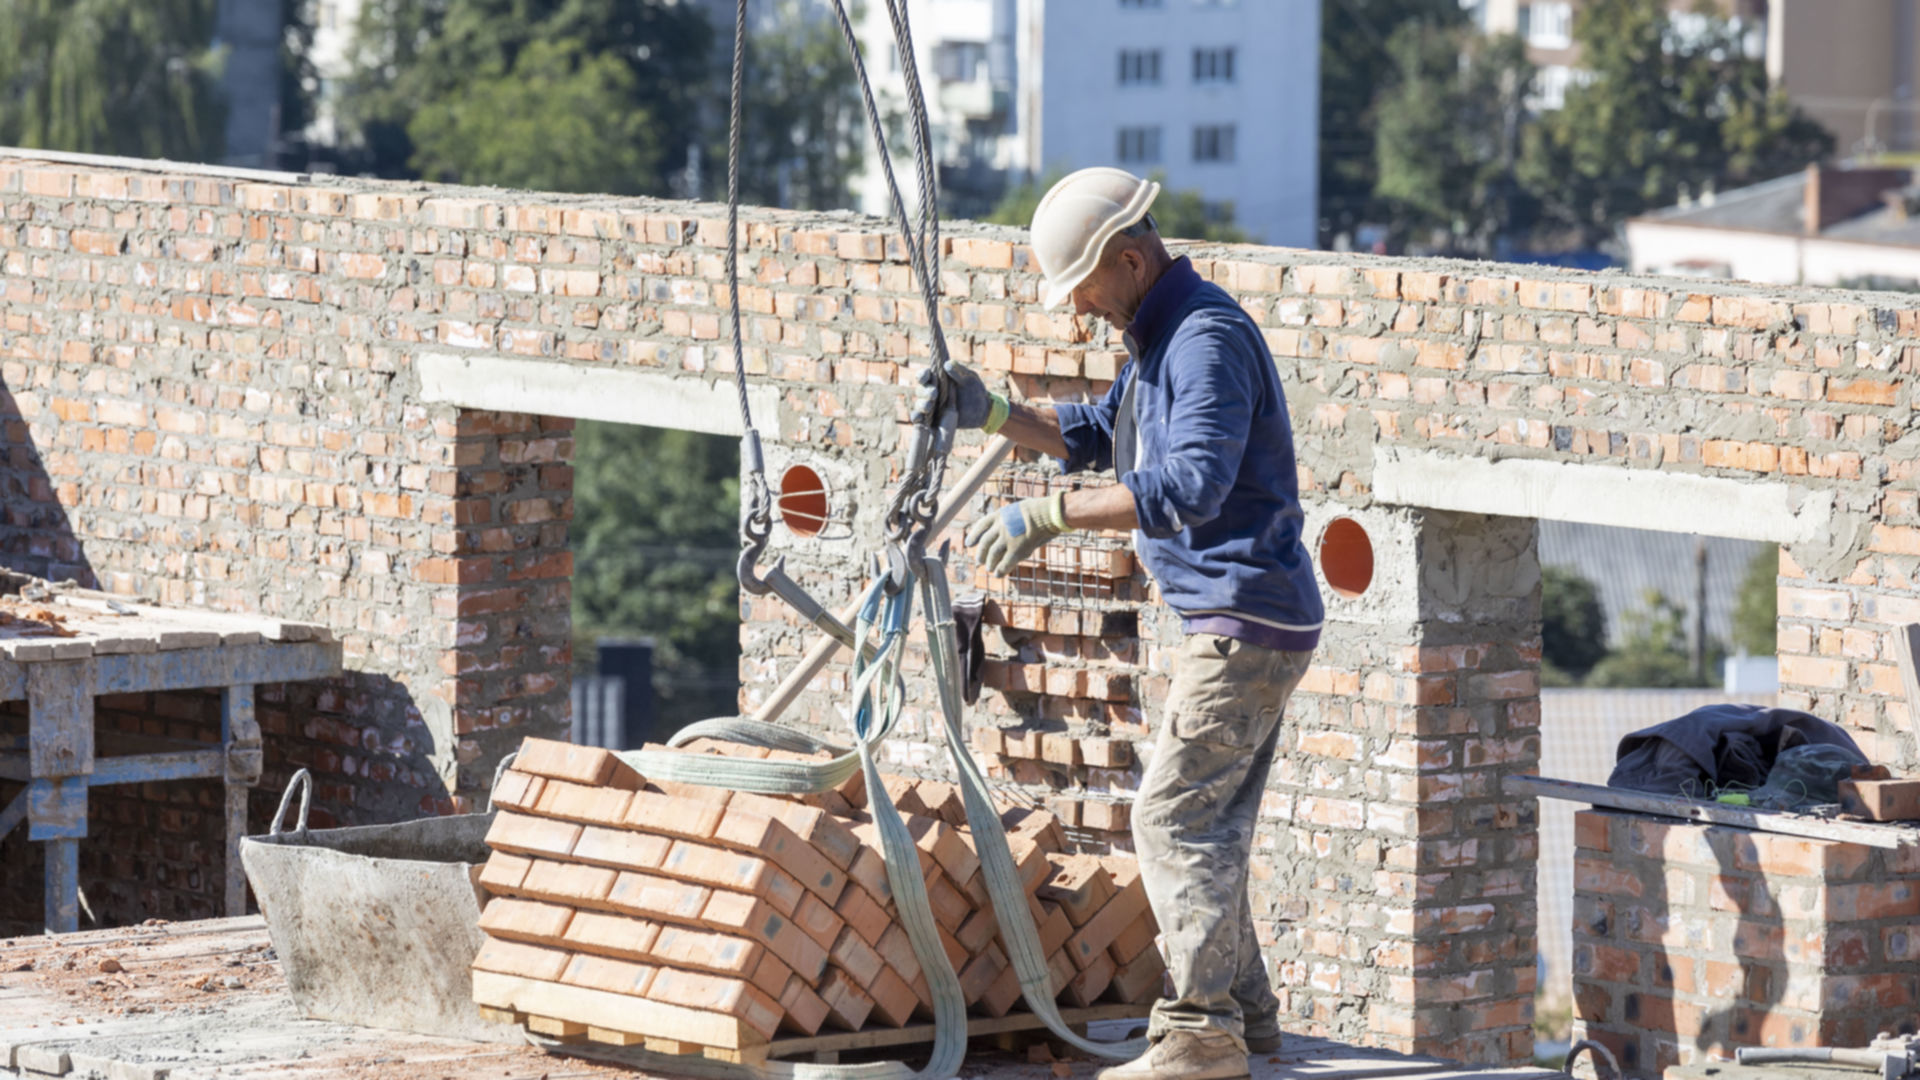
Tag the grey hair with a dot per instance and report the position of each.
(1144, 227)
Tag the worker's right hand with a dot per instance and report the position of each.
(1003, 540)
(973, 404)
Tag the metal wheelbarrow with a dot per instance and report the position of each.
(377, 925)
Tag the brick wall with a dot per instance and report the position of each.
(1691, 940)
(211, 379)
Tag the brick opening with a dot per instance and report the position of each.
(1346, 557)
(803, 501)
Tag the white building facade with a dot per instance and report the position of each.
(1217, 96)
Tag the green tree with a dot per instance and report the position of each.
(1446, 129)
(1573, 625)
(566, 95)
(561, 119)
(1658, 113)
(1756, 610)
(132, 77)
(1356, 67)
(804, 129)
(654, 538)
(1180, 215)
(1654, 653)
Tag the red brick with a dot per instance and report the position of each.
(578, 802)
(749, 831)
(580, 764)
(653, 897)
(1090, 943)
(734, 871)
(611, 935)
(753, 918)
(717, 993)
(503, 872)
(525, 961)
(529, 921)
(1080, 885)
(863, 914)
(676, 815)
(847, 1004)
(893, 999)
(569, 883)
(524, 835)
(621, 849)
(612, 976)
(805, 1011)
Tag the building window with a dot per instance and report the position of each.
(1213, 142)
(1213, 65)
(1547, 26)
(1139, 67)
(959, 61)
(1550, 87)
(1139, 145)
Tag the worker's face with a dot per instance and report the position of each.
(1115, 288)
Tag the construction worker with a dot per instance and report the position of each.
(1195, 428)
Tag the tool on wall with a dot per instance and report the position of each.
(1894, 1057)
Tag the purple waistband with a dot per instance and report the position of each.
(1253, 633)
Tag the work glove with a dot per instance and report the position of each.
(1003, 541)
(974, 405)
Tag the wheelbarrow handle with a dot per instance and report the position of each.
(304, 781)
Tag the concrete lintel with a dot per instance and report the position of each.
(1602, 495)
(622, 396)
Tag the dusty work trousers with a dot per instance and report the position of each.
(1193, 825)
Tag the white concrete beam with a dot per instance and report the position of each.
(620, 395)
(1602, 495)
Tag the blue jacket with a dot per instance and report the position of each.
(1214, 480)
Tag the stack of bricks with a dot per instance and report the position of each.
(691, 919)
(1693, 940)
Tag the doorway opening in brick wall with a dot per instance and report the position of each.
(656, 607)
(1638, 627)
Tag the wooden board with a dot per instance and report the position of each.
(1906, 642)
(615, 1012)
(1870, 834)
(923, 1033)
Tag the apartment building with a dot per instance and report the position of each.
(1850, 65)
(1220, 96)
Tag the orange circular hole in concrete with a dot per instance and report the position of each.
(803, 500)
(1346, 557)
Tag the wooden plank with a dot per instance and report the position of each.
(14, 813)
(60, 718)
(57, 808)
(923, 1033)
(1906, 642)
(1869, 834)
(615, 1011)
(240, 737)
(193, 669)
(151, 768)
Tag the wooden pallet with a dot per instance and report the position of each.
(1006, 1031)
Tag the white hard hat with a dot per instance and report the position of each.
(1076, 218)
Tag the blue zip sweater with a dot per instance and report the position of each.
(1214, 480)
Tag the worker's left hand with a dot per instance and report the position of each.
(974, 405)
(1003, 541)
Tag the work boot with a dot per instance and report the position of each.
(1263, 1043)
(1185, 1055)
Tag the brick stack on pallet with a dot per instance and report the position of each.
(695, 920)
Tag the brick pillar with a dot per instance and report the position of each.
(501, 577)
(1400, 891)
(1690, 941)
